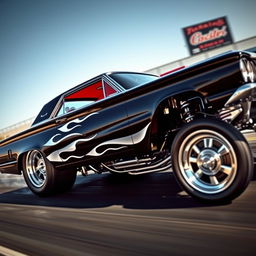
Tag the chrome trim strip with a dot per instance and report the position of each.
(252, 54)
(113, 82)
(9, 163)
(144, 170)
(156, 165)
(165, 168)
(133, 163)
(128, 166)
(129, 162)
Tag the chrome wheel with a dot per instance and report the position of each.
(36, 168)
(207, 161)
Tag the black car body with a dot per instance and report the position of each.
(135, 123)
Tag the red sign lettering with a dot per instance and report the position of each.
(199, 38)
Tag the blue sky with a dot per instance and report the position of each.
(49, 46)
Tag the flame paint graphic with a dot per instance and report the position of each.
(128, 140)
(55, 156)
(52, 143)
(124, 141)
(64, 129)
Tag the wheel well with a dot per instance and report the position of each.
(20, 161)
(171, 114)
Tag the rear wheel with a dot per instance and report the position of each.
(212, 160)
(41, 176)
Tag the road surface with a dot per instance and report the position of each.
(108, 215)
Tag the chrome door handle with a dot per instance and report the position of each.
(61, 120)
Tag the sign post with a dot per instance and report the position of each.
(207, 35)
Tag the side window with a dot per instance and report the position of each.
(82, 98)
(72, 105)
(86, 96)
(108, 89)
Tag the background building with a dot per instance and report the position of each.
(13, 129)
(247, 44)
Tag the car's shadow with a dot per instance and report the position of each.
(152, 191)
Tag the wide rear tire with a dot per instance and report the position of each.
(41, 176)
(212, 160)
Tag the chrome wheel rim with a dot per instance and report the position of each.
(36, 168)
(207, 161)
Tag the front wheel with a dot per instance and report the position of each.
(212, 160)
(41, 176)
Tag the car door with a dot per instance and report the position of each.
(91, 124)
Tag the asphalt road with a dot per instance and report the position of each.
(107, 215)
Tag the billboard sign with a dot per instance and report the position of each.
(207, 35)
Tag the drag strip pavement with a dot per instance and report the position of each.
(109, 215)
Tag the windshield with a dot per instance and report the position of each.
(131, 80)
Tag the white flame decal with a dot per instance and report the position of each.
(55, 156)
(128, 140)
(52, 143)
(121, 141)
(125, 141)
(65, 129)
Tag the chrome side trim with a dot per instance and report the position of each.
(132, 162)
(165, 168)
(113, 82)
(252, 54)
(128, 166)
(151, 168)
(9, 163)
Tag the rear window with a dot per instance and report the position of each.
(131, 80)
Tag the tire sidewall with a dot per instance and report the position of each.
(50, 177)
(241, 149)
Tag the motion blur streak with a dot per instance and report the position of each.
(7, 252)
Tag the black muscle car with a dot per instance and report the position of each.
(192, 120)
